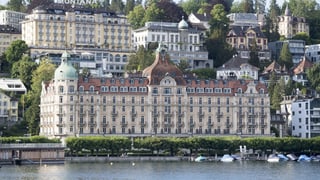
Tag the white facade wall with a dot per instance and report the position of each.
(301, 118)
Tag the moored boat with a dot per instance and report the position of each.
(304, 158)
(292, 157)
(227, 158)
(273, 158)
(200, 159)
(282, 157)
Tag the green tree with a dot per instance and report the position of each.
(285, 57)
(313, 75)
(117, 6)
(136, 17)
(206, 73)
(129, 6)
(191, 6)
(303, 36)
(254, 58)
(23, 69)
(301, 8)
(15, 52)
(314, 25)
(183, 65)
(276, 97)
(248, 6)
(16, 5)
(43, 73)
(140, 60)
(219, 50)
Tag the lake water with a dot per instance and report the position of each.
(165, 170)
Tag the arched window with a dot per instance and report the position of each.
(81, 89)
(111, 58)
(124, 58)
(117, 58)
(91, 89)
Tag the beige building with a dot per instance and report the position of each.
(290, 25)
(8, 34)
(162, 101)
(59, 27)
(242, 38)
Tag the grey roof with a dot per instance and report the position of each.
(241, 31)
(234, 63)
(202, 17)
(57, 8)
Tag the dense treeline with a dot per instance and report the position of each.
(32, 139)
(172, 146)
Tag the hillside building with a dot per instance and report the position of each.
(160, 102)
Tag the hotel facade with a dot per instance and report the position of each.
(160, 101)
(104, 35)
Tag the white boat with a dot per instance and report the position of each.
(227, 158)
(292, 157)
(200, 159)
(273, 158)
(283, 157)
(304, 158)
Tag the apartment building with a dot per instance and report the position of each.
(12, 18)
(160, 102)
(183, 41)
(242, 38)
(296, 48)
(8, 34)
(290, 25)
(80, 30)
(8, 104)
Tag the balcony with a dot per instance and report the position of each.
(105, 124)
(60, 124)
(219, 114)
(155, 124)
(155, 114)
(93, 123)
(180, 124)
(192, 124)
(181, 114)
(210, 124)
(167, 124)
(114, 113)
(228, 125)
(124, 123)
(142, 124)
(133, 113)
(200, 114)
(81, 124)
(168, 113)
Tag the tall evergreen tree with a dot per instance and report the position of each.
(117, 6)
(254, 58)
(129, 6)
(285, 56)
(248, 6)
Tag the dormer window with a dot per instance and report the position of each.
(91, 89)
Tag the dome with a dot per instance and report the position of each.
(65, 70)
(183, 24)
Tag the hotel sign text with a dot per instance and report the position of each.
(78, 2)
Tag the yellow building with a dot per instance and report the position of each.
(59, 27)
(63, 26)
(8, 34)
(161, 101)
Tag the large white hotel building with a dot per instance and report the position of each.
(161, 101)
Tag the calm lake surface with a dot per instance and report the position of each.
(165, 170)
